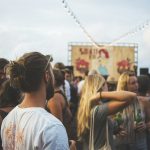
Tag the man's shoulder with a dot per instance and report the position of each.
(47, 117)
(33, 115)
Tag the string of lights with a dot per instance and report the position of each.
(71, 13)
(91, 39)
(139, 28)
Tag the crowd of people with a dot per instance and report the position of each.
(46, 107)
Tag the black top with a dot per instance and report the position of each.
(66, 103)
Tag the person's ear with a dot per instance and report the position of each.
(46, 76)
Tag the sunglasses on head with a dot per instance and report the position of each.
(50, 59)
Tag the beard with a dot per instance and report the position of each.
(49, 91)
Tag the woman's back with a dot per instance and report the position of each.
(100, 121)
(59, 107)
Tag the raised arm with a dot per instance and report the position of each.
(119, 95)
(115, 95)
(117, 100)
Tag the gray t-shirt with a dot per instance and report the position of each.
(101, 114)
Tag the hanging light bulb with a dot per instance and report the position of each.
(68, 11)
(132, 32)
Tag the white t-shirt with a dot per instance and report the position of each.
(33, 128)
(80, 85)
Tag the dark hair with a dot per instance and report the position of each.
(3, 63)
(86, 71)
(144, 84)
(59, 77)
(59, 65)
(27, 73)
(67, 71)
(9, 96)
(80, 78)
(130, 73)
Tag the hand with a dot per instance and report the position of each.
(148, 126)
(72, 145)
(122, 132)
(95, 98)
(140, 127)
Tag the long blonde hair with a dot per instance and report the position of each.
(128, 111)
(123, 80)
(92, 84)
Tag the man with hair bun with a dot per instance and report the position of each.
(29, 126)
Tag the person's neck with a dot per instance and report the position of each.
(34, 99)
(57, 88)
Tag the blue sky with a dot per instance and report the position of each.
(45, 25)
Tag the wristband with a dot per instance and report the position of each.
(100, 94)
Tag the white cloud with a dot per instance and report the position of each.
(146, 37)
(45, 25)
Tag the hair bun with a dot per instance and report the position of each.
(17, 73)
(17, 69)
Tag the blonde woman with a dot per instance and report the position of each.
(90, 98)
(134, 117)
